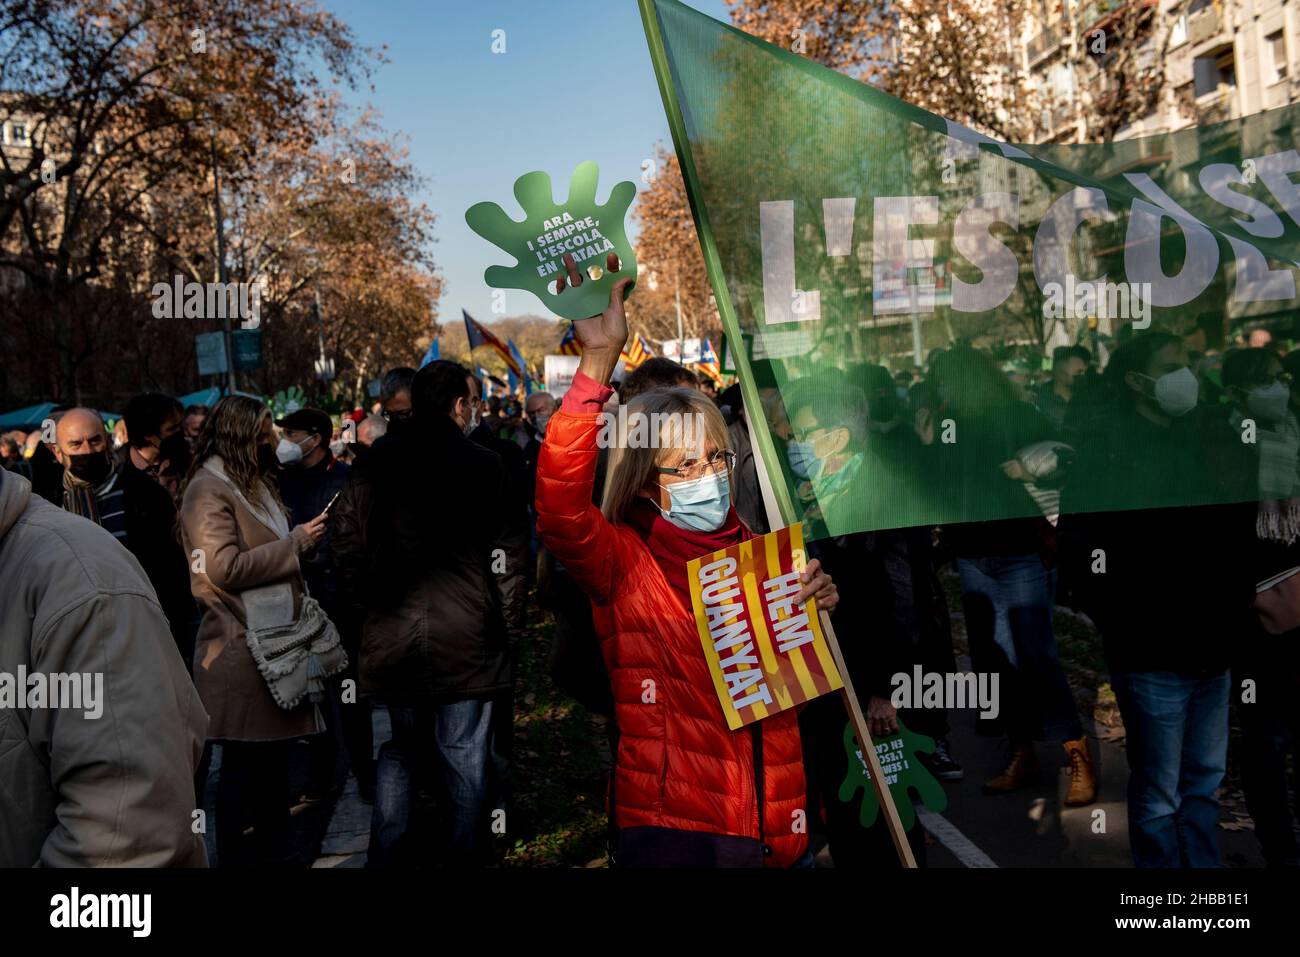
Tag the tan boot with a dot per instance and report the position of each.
(1083, 774)
(1022, 770)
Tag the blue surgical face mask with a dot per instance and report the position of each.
(701, 504)
(803, 461)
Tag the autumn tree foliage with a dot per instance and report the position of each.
(963, 59)
(952, 57)
(670, 262)
(137, 113)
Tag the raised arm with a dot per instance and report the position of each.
(567, 522)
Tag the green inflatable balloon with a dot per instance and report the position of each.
(581, 227)
(903, 770)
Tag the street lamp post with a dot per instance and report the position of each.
(218, 222)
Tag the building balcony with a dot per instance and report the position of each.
(1214, 108)
(1093, 12)
(1043, 45)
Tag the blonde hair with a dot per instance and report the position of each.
(632, 464)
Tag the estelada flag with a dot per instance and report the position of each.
(636, 352)
(569, 343)
(479, 336)
(709, 363)
(765, 653)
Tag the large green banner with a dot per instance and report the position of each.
(843, 229)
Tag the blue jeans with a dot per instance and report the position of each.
(1008, 604)
(1177, 747)
(450, 747)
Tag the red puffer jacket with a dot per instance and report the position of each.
(679, 768)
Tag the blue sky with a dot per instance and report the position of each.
(574, 83)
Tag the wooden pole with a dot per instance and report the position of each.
(859, 720)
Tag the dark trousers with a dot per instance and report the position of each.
(348, 730)
(253, 791)
(1270, 727)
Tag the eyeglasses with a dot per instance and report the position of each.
(718, 461)
(398, 416)
(806, 435)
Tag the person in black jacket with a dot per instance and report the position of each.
(830, 418)
(510, 566)
(1267, 659)
(1159, 521)
(1006, 562)
(310, 477)
(434, 640)
(153, 426)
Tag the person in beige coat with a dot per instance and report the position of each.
(245, 576)
(99, 774)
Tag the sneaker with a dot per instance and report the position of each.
(941, 764)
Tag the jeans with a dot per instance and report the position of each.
(1177, 747)
(452, 748)
(1008, 605)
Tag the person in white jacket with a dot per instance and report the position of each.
(100, 726)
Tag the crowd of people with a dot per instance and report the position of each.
(251, 582)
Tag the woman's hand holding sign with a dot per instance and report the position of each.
(603, 336)
(818, 585)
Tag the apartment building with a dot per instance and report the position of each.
(1222, 59)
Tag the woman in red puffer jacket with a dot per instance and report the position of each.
(686, 790)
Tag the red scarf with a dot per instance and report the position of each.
(672, 547)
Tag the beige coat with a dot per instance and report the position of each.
(116, 789)
(240, 564)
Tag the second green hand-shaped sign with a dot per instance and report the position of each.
(580, 227)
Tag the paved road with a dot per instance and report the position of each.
(1029, 828)
(1032, 827)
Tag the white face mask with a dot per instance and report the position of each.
(289, 453)
(473, 423)
(1176, 392)
(1270, 402)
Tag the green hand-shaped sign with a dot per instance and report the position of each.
(903, 771)
(581, 228)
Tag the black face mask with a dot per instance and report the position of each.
(92, 467)
(266, 460)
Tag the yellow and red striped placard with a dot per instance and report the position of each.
(765, 653)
